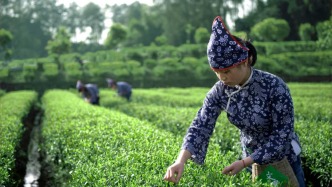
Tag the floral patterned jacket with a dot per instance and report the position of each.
(262, 109)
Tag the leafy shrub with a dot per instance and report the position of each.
(270, 29)
(306, 32)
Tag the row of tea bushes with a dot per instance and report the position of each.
(315, 137)
(313, 112)
(14, 106)
(95, 146)
(160, 96)
(174, 119)
(312, 101)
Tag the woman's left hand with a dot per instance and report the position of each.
(234, 168)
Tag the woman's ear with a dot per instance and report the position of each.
(250, 60)
(247, 63)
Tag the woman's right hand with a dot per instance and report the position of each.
(174, 172)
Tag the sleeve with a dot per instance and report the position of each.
(282, 113)
(198, 134)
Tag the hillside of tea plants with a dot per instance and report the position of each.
(124, 143)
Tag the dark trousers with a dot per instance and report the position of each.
(96, 102)
(127, 96)
(298, 171)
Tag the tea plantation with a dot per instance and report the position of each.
(124, 143)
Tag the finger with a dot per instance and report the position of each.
(166, 174)
(170, 176)
(229, 171)
(178, 176)
(226, 170)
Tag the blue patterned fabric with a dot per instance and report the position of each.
(92, 93)
(223, 50)
(263, 111)
(124, 89)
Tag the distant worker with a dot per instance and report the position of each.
(90, 92)
(124, 89)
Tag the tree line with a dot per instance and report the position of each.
(29, 27)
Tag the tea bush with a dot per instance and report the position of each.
(14, 106)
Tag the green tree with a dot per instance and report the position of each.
(31, 23)
(47, 13)
(202, 35)
(136, 35)
(72, 18)
(177, 20)
(177, 15)
(124, 13)
(161, 40)
(30, 38)
(5, 39)
(141, 20)
(34, 22)
(295, 12)
(116, 35)
(60, 44)
(270, 29)
(240, 34)
(153, 26)
(93, 18)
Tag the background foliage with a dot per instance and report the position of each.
(159, 45)
(33, 23)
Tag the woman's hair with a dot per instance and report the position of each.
(252, 49)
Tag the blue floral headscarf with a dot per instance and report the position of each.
(223, 50)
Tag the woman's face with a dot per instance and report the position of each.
(237, 75)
